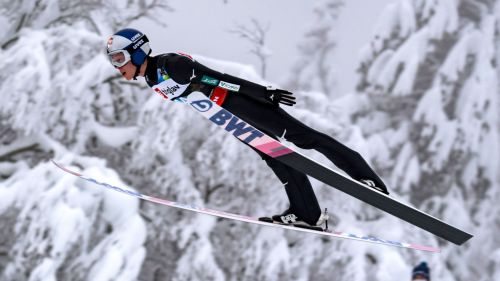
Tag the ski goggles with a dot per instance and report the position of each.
(119, 58)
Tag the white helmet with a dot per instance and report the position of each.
(128, 45)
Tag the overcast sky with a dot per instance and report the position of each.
(202, 27)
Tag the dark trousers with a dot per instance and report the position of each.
(276, 122)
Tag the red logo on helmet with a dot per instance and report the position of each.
(110, 41)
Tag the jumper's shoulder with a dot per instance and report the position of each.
(179, 67)
(174, 60)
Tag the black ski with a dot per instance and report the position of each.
(374, 198)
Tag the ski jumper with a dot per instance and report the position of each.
(250, 102)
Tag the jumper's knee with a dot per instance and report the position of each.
(304, 143)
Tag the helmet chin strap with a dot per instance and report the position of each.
(137, 70)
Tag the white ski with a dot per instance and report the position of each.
(202, 210)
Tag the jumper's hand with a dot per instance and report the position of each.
(278, 96)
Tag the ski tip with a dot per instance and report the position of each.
(56, 164)
(65, 169)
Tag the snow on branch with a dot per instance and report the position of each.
(256, 35)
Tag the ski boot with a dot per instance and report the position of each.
(289, 218)
(371, 184)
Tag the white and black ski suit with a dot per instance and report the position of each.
(253, 104)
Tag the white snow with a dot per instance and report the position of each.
(437, 147)
(64, 222)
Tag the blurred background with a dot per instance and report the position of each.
(413, 85)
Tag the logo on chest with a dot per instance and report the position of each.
(169, 88)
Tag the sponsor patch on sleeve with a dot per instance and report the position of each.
(209, 80)
(229, 86)
(218, 95)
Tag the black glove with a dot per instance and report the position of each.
(278, 96)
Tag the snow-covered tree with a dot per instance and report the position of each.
(429, 108)
(57, 45)
(256, 35)
(313, 70)
(58, 91)
(415, 119)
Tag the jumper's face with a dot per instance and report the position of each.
(127, 71)
(121, 60)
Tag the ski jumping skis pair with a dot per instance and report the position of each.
(252, 136)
